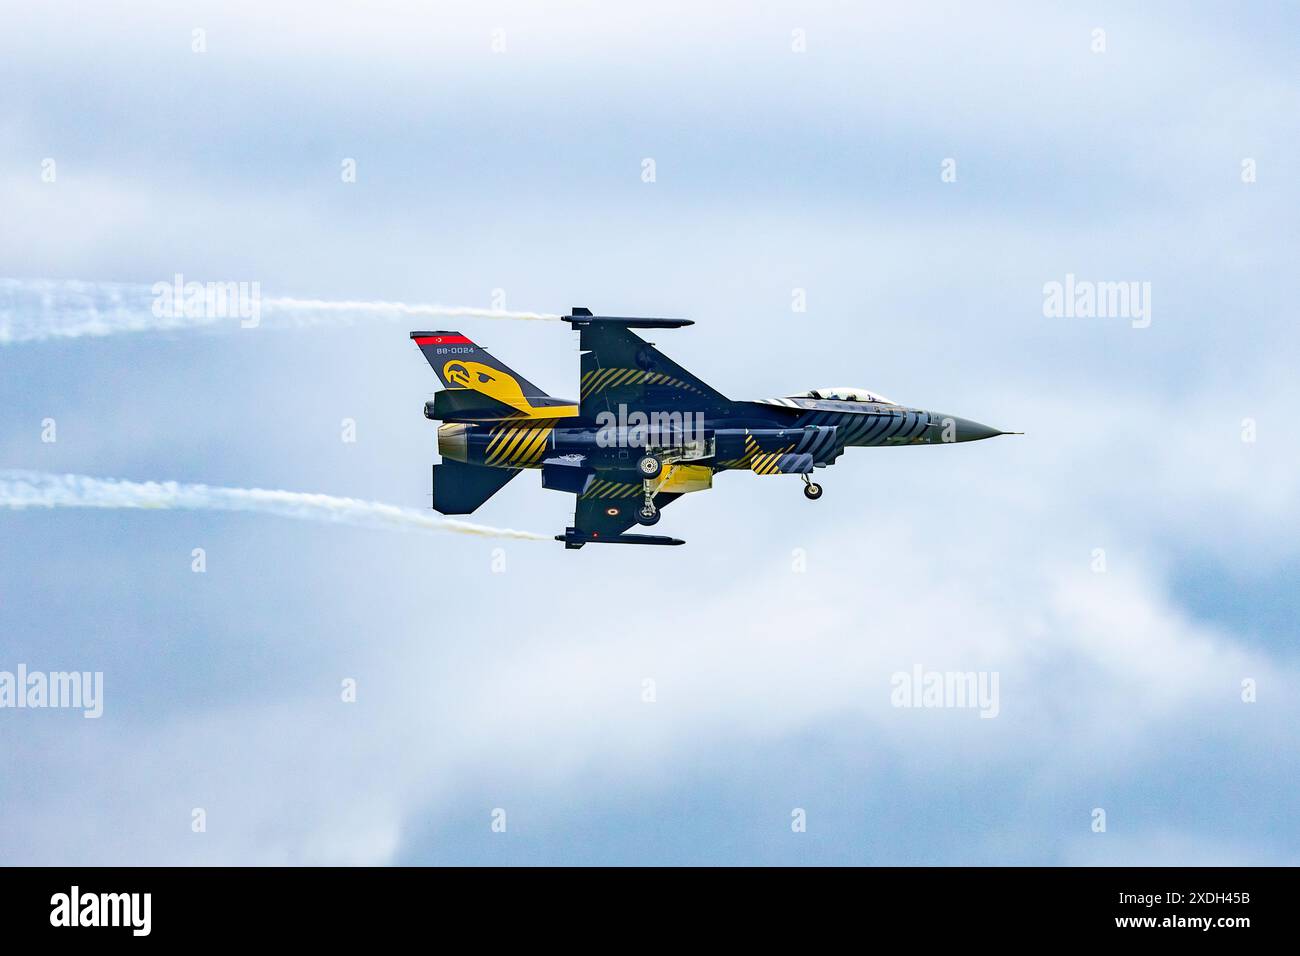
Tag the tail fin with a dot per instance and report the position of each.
(462, 365)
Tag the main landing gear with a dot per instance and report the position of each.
(648, 514)
(649, 466)
(811, 490)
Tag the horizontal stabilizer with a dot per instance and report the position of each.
(460, 489)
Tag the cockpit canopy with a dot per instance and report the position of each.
(847, 395)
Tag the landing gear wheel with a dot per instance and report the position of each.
(647, 515)
(649, 466)
(812, 491)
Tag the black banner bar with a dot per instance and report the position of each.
(1223, 905)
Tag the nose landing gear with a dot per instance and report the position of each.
(811, 490)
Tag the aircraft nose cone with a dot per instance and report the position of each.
(964, 429)
(968, 430)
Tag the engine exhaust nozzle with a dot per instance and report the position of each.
(453, 441)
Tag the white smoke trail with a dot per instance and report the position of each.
(32, 489)
(36, 310)
(317, 311)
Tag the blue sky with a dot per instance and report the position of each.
(775, 170)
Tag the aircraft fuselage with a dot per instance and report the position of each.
(733, 440)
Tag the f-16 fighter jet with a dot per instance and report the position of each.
(643, 432)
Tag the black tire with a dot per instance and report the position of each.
(649, 466)
(812, 491)
(653, 518)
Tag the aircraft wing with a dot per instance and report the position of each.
(607, 509)
(621, 368)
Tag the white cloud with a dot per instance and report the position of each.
(1098, 673)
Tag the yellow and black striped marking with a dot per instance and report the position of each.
(761, 462)
(600, 488)
(598, 380)
(517, 446)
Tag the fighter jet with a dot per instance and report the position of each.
(643, 432)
